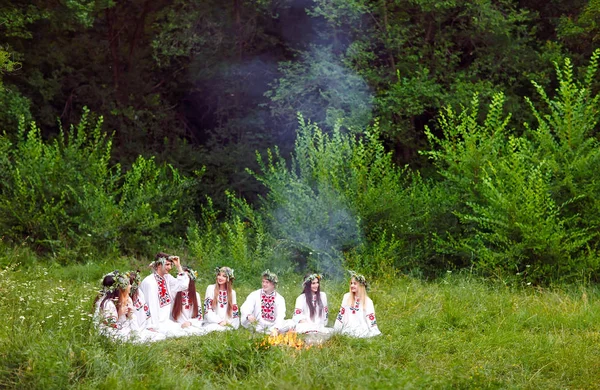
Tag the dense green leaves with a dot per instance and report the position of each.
(65, 196)
(208, 83)
(529, 202)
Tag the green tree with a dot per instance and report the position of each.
(528, 202)
(65, 197)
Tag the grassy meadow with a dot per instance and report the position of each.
(457, 332)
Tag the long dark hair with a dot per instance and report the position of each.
(177, 304)
(114, 295)
(308, 295)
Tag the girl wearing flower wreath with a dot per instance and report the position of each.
(357, 314)
(186, 308)
(114, 309)
(141, 314)
(311, 311)
(159, 289)
(221, 313)
(264, 309)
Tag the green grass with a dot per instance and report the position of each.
(458, 332)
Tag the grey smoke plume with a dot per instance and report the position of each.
(315, 226)
(322, 89)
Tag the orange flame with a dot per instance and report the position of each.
(289, 339)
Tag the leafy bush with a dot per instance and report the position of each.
(342, 196)
(64, 196)
(238, 241)
(528, 204)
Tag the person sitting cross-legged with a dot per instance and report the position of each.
(264, 309)
(357, 315)
(141, 315)
(311, 312)
(221, 311)
(113, 307)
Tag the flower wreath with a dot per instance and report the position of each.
(134, 279)
(270, 276)
(191, 273)
(311, 277)
(157, 262)
(360, 279)
(120, 282)
(227, 271)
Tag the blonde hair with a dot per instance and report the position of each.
(361, 294)
(229, 294)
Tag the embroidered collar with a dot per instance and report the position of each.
(267, 306)
(222, 298)
(164, 299)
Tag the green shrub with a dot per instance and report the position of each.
(64, 197)
(528, 204)
(342, 196)
(238, 240)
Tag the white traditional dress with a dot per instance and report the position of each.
(141, 319)
(269, 311)
(318, 324)
(215, 311)
(110, 324)
(186, 315)
(160, 293)
(357, 320)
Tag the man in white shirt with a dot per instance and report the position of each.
(159, 289)
(264, 309)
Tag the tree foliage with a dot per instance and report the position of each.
(529, 203)
(64, 196)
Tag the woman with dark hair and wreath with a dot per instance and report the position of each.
(114, 310)
(220, 302)
(141, 314)
(311, 311)
(357, 314)
(186, 307)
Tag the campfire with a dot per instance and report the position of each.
(289, 339)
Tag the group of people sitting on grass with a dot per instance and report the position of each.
(161, 305)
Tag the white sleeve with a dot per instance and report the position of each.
(210, 316)
(235, 311)
(341, 316)
(180, 283)
(248, 308)
(370, 315)
(280, 302)
(299, 309)
(108, 316)
(149, 288)
(325, 316)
